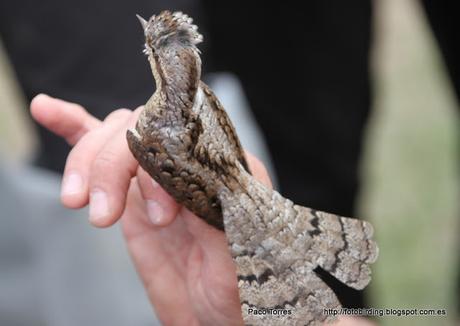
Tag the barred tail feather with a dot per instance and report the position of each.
(343, 247)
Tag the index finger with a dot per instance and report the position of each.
(68, 120)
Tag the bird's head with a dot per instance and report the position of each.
(169, 29)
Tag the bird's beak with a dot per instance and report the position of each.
(143, 22)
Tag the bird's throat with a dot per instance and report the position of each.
(177, 73)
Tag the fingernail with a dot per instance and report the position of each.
(99, 205)
(155, 212)
(72, 184)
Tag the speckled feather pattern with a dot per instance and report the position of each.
(186, 142)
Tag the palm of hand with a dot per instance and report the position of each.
(186, 266)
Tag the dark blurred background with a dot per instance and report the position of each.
(354, 101)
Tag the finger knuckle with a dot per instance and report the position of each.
(118, 114)
(78, 155)
(104, 162)
(79, 108)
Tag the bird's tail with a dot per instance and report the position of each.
(276, 245)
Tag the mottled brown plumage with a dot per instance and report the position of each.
(186, 142)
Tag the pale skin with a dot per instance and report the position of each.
(184, 263)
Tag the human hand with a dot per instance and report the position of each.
(184, 263)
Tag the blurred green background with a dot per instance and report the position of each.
(410, 168)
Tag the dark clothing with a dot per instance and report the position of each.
(306, 75)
